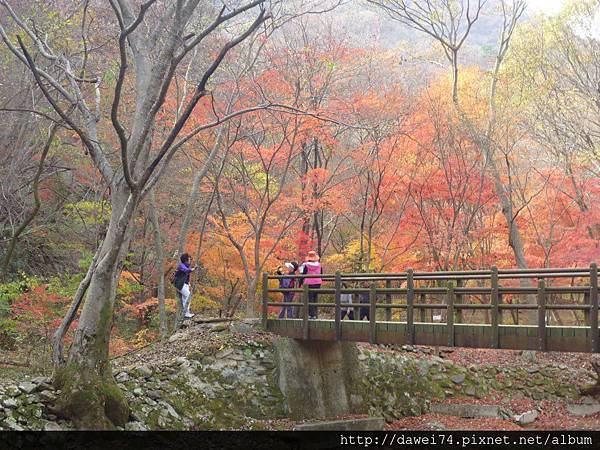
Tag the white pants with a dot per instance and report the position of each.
(185, 298)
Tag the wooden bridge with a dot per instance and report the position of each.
(496, 299)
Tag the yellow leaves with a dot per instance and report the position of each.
(352, 259)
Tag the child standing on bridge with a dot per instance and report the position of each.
(288, 283)
(346, 299)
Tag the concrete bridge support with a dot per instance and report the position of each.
(319, 378)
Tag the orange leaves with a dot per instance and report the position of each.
(318, 176)
(39, 311)
(142, 310)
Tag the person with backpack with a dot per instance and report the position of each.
(288, 283)
(313, 267)
(181, 281)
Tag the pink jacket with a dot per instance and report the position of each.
(313, 268)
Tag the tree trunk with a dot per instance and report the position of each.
(251, 297)
(160, 262)
(90, 396)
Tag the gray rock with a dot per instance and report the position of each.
(37, 413)
(52, 426)
(138, 391)
(240, 327)
(466, 410)
(145, 371)
(122, 377)
(154, 394)
(10, 403)
(458, 378)
(135, 426)
(229, 375)
(470, 392)
(528, 356)
(177, 337)
(12, 390)
(526, 417)
(41, 380)
(12, 424)
(237, 357)
(171, 410)
(533, 369)
(224, 353)
(27, 387)
(162, 422)
(369, 423)
(583, 409)
(219, 365)
(47, 396)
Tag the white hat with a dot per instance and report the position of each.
(289, 265)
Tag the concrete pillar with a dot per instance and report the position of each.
(319, 378)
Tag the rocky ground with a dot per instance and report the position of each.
(223, 376)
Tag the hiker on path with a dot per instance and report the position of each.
(182, 283)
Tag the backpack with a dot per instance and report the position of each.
(178, 279)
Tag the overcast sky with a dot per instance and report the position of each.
(544, 6)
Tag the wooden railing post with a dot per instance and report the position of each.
(587, 300)
(373, 314)
(459, 299)
(494, 311)
(541, 315)
(410, 310)
(422, 316)
(338, 309)
(450, 315)
(594, 310)
(388, 301)
(265, 299)
(305, 311)
(500, 316)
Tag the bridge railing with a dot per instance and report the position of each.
(453, 286)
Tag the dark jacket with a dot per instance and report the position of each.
(182, 275)
(286, 283)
